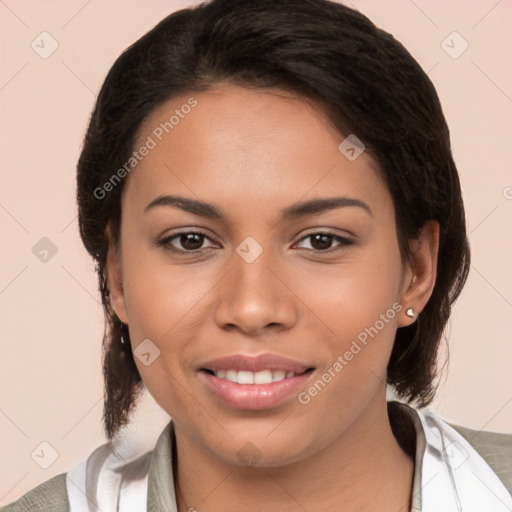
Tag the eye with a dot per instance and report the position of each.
(321, 241)
(190, 241)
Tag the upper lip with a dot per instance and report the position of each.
(255, 363)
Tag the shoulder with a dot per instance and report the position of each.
(50, 496)
(114, 476)
(494, 448)
(476, 466)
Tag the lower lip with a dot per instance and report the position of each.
(254, 397)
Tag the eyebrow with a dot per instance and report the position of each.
(295, 211)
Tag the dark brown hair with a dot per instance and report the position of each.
(318, 49)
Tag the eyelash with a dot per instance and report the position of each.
(166, 242)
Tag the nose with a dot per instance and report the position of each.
(254, 296)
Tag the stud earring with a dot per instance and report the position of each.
(410, 313)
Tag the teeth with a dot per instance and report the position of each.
(247, 377)
(278, 375)
(232, 375)
(263, 377)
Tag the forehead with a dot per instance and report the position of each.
(249, 148)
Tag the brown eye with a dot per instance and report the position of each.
(187, 241)
(322, 242)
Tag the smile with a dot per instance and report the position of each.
(253, 391)
(248, 377)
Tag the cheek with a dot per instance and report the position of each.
(162, 305)
(352, 296)
(163, 302)
(359, 304)
(160, 296)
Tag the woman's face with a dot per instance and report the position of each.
(259, 279)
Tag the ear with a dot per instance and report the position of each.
(114, 276)
(420, 273)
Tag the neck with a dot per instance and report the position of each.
(363, 469)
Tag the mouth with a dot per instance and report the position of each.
(244, 377)
(254, 383)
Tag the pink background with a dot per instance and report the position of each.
(52, 321)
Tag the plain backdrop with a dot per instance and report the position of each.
(52, 322)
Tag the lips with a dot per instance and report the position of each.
(254, 383)
(254, 364)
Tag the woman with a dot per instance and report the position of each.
(268, 191)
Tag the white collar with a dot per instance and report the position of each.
(454, 477)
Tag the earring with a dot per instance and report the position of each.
(410, 313)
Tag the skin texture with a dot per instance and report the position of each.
(253, 152)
